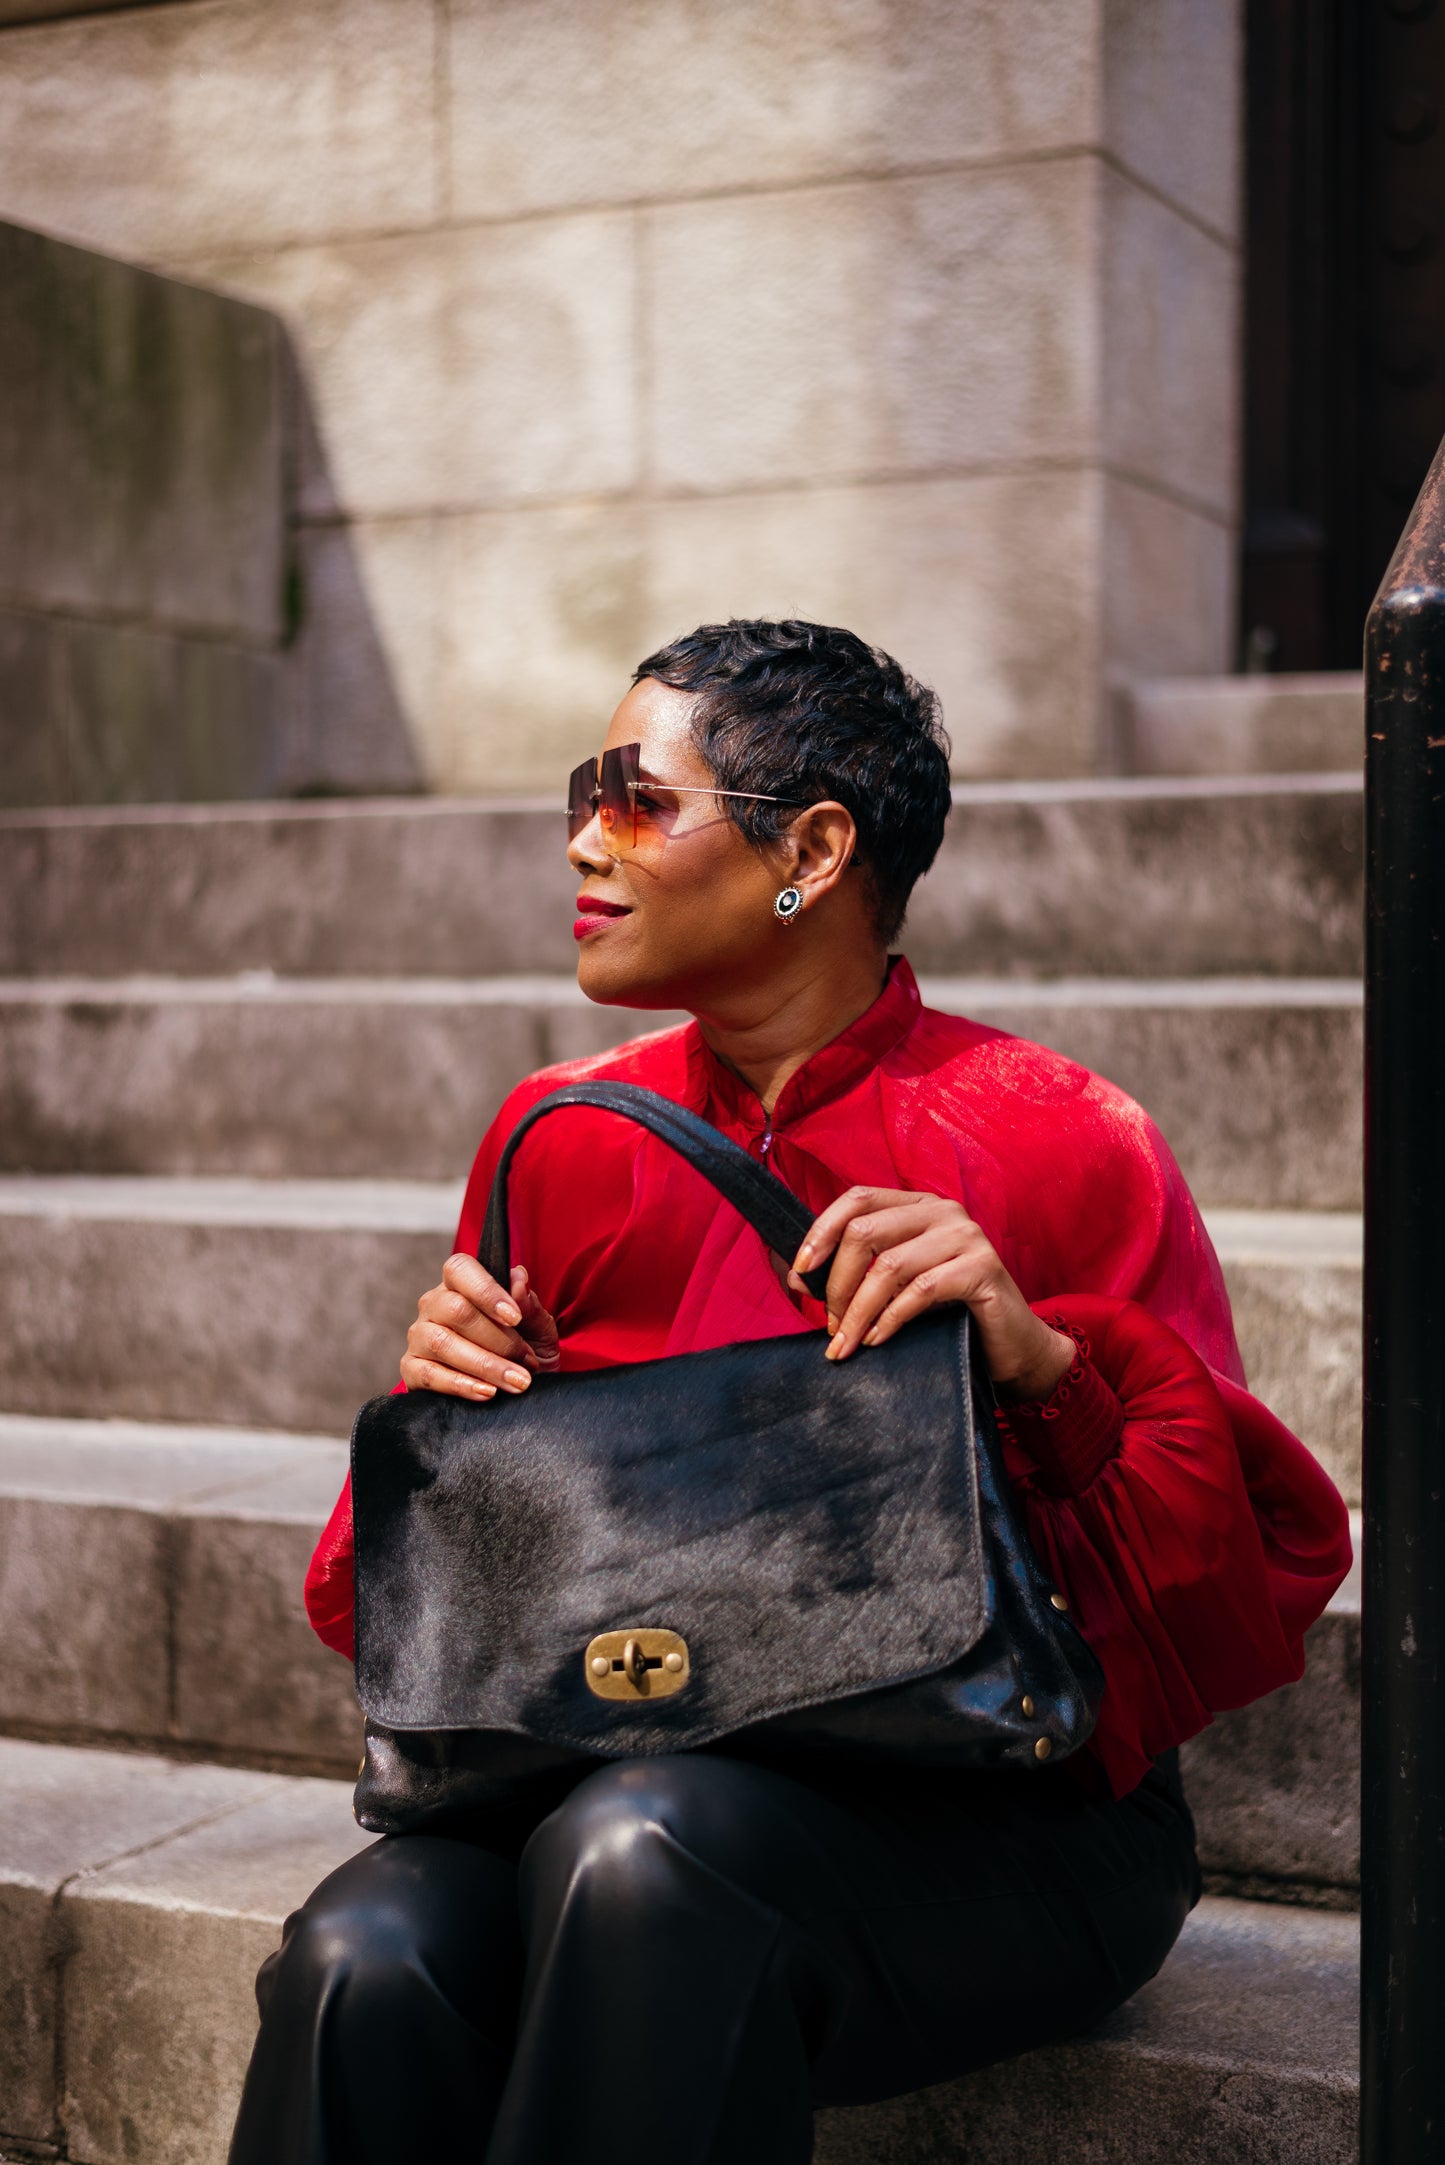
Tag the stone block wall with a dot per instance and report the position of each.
(142, 533)
(913, 314)
(150, 647)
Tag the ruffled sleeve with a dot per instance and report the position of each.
(1199, 1547)
(1068, 1438)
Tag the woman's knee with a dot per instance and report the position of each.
(406, 1908)
(622, 1828)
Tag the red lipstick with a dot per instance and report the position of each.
(594, 915)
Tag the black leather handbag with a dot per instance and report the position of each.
(750, 1548)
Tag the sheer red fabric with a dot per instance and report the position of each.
(1195, 1538)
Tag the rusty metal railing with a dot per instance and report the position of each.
(1403, 1725)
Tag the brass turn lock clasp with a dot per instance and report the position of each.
(641, 1663)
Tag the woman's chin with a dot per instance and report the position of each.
(616, 981)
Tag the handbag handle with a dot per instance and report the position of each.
(771, 1209)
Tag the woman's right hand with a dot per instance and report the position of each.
(472, 1339)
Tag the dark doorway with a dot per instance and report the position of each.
(1344, 311)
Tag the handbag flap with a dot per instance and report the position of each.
(810, 1529)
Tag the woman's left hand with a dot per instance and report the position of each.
(895, 1254)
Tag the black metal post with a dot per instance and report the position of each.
(1403, 1741)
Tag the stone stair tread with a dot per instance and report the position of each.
(162, 1885)
(224, 1199)
(1160, 788)
(1114, 875)
(541, 988)
(159, 1602)
(241, 1304)
(430, 810)
(1335, 1238)
(68, 1811)
(1254, 1080)
(173, 1881)
(174, 1252)
(150, 1590)
(171, 1467)
(1253, 1985)
(1348, 1597)
(954, 994)
(964, 995)
(1236, 724)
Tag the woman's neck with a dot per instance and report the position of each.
(780, 1027)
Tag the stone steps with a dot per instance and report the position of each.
(1255, 1081)
(275, 1304)
(1243, 2049)
(137, 1898)
(197, 1080)
(1293, 722)
(1255, 875)
(140, 1895)
(150, 1591)
(285, 1304)
(1275, 1787)
(1295, 1284)
(150, 1595)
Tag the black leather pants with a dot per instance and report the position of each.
(689, 1954)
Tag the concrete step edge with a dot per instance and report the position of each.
(1089, 876)
(954, 995)
(173, 1881)
(151, 1599)
(220, 1199)
(188, 1465)
(1284, 1239)
(1332, 1238)
(1064, 789)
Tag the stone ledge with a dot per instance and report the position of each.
(1244, 2042)
(150, 1595)
(1244, 724)
(1253, 1081)
(1041, 879)
(156, 1348)
(176, 1253)
(180, 524)
(150, 1591)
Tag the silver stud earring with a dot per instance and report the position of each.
(786, 904)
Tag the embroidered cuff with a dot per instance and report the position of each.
(1071, 1435)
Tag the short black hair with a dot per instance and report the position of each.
(806, 711)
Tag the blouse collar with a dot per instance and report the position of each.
(834, 1069)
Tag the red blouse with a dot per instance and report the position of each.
(1195, 1537)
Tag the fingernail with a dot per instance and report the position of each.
(485, 1390)
(516, 1379)
(835, 1346)
(870, 1338)
(804, 1255)
(508, 1312)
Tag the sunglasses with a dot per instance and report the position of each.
(611, 790)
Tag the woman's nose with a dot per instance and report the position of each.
(587, 851)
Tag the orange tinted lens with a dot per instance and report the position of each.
(617, 796)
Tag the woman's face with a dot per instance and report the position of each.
(686, 917)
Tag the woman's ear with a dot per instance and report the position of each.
(820, 845)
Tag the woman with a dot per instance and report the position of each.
(687, 1955)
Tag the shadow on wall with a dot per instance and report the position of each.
(171, 630)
